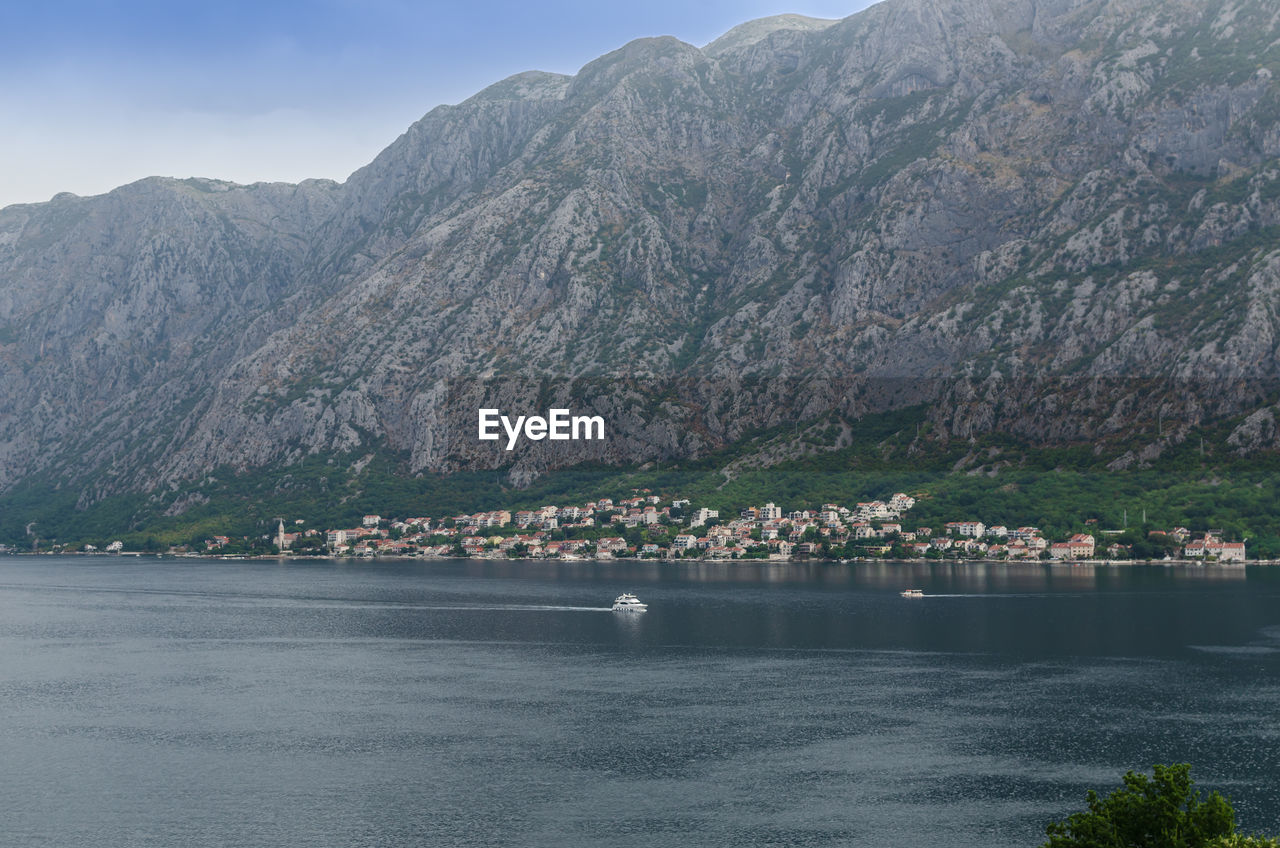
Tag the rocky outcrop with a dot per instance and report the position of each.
(1055, 218)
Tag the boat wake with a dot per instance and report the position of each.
(1004, 595)
(458, 607)
(245, 599)
(535, 608)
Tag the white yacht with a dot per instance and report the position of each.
(912, 593)
(628, 603)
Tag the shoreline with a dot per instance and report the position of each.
(655, 560)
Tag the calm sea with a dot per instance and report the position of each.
(150, 702)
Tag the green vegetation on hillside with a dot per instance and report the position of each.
(994, 480)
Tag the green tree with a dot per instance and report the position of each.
(1159, 811)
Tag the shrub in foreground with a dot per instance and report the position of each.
(1159, 811)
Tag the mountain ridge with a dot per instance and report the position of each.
(1053, 219)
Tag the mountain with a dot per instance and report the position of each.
(1057, 220)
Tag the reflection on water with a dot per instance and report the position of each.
(980, 577)
(154, 703)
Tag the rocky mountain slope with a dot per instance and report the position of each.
(1058, 219)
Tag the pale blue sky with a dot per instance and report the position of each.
(97, 93)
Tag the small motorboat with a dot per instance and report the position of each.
(912, 593)
(628, 603)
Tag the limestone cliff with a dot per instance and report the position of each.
(1056, 218)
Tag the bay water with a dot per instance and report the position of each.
(163, 702)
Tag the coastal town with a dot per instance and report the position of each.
(649, 526)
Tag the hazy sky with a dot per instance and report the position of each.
(98, 93)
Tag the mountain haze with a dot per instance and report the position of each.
(1057, 219)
